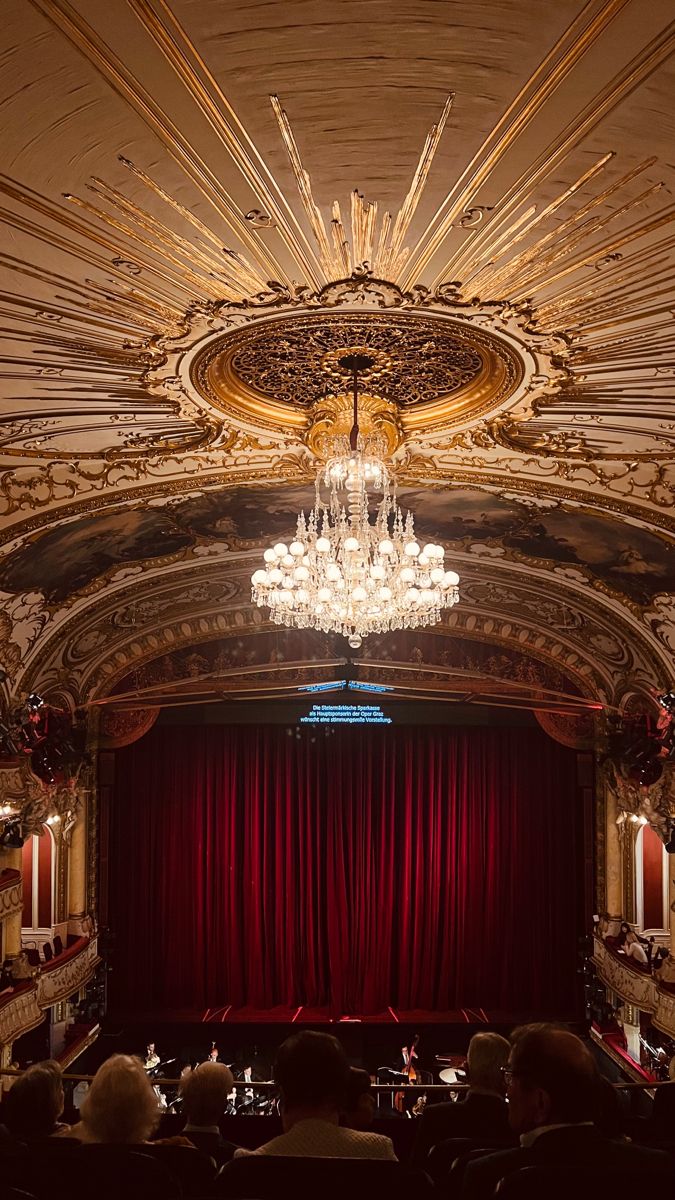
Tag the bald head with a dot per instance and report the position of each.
(555, 1078)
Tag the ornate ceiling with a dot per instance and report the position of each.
(480, 194)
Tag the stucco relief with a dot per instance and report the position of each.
(18, 1014)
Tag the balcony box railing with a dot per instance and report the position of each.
(23, 1006)
(11, 893)
(68, 972)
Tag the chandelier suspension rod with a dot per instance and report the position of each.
(354, 434)
(355, 363)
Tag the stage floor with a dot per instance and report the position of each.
(306, 1015)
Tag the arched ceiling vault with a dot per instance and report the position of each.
(485, 201)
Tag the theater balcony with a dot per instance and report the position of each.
(23, 1007)
(635, 985)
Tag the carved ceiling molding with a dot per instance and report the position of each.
(152, 263)
(580, 635)
(112, 668)
(53, 489)
(119, 280)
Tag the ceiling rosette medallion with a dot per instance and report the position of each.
(271, 364)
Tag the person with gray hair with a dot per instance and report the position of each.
(205, 1093)
(483, 1113)
(120, 1105)
(553, 1087)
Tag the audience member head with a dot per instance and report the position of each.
(120, 1105)
(487, 1054)
(554, 1079)
(359, 1101)
(624, 930)
(205, 1091)
(311, 1071)
(35, 1101)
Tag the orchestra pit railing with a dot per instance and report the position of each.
(634, 1090)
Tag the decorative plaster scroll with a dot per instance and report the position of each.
(122, 728)
(664, 1013)
(18, 1014)
(11, 894)
(61, 981)
(575, 732)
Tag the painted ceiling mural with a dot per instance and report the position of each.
(629, 560)
(485, 203)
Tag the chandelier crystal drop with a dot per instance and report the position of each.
(348, 570)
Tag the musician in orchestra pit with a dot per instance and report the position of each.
(409, 1054)
(483, 1114)
(152, 1058)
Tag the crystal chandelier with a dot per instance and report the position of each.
(345, 572)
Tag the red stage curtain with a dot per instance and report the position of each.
(424, 868)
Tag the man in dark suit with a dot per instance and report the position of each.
(552, 1092)
(483, 1115)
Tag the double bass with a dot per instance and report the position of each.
(409, 1054)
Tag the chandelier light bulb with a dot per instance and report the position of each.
(269, 556)
(411, 549)
(436, 575)
(280, 549)
(351, 544)
(450, 578)
(359, 594)
(322, 545)
(288, 561)
(301, 573)
(275, 575)
(386, 547)
(259, 576)
(333, 572)
(296, 549)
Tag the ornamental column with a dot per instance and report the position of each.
(77, 874)
(613, 856)
(671, 901)
(12, 924)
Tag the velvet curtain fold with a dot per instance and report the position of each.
(425, 868)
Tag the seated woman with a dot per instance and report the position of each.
(120, 1106)
(634, 949)
(35, 1102)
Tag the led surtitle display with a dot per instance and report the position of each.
(346, 714)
